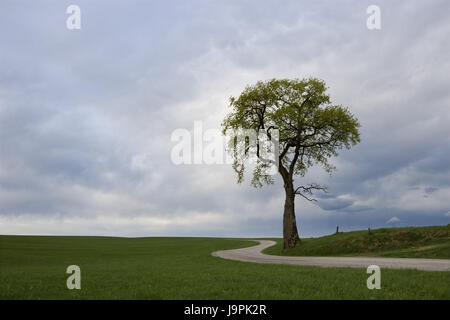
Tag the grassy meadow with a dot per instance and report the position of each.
(34, 267)
(410, 242)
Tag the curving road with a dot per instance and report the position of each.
(253, 254)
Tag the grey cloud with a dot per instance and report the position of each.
(431, 189)
(77, 107)
(334, 204)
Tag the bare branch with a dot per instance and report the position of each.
(308, 190)
(309, 199)
(311, 187)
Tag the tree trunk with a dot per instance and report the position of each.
(290, 233)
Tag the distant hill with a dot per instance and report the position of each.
(411, 242)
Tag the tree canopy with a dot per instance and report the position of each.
(311, 129)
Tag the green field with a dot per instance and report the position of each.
(34, 267)
(411, 242)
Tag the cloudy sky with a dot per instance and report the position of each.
(86, 116)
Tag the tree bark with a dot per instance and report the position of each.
(290, 232)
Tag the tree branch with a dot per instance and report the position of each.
(294, 160)
(308, 190)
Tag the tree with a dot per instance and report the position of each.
(311, 130)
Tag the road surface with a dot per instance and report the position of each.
(253, 254)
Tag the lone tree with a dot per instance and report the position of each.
(311, 130)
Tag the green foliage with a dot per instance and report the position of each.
(311, 129)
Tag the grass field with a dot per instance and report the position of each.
(34, 267)
(412, 242)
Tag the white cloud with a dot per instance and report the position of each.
(393, 220)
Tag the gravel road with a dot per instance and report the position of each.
(253, 254)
